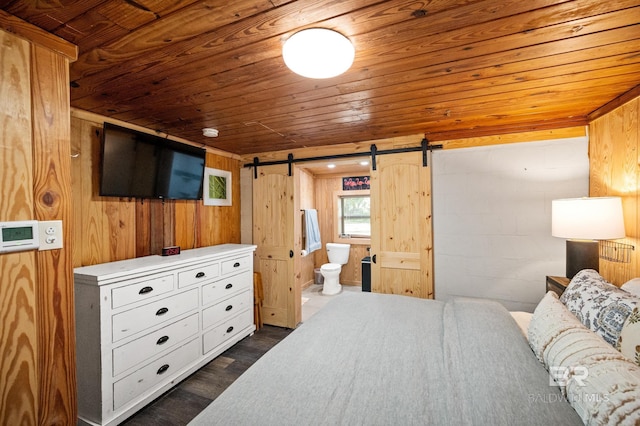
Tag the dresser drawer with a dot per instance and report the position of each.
(226, 309)
(236, 265)
(134, 320)
(212, 293)
(197, 275)
(135, 384)
(219, 334)
(136, 291)
(136, 352)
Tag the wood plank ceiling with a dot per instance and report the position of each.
(445, 68)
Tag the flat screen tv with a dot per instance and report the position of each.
(140, 165)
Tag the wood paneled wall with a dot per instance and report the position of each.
(37, 325)
(326, 186)
(614, 147)
(120, 228)
(307, 201)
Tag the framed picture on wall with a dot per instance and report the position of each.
(355, 183)
(216, 188)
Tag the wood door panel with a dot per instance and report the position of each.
(409, 261)
(276, 297)
(402, 281)
(273, 233)
(401, 237)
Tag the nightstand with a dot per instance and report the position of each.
(557, 284)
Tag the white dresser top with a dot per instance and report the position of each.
(106, 273)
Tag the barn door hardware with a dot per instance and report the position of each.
(424, 144)
(256, 162)
(424, 148)
(374, 151)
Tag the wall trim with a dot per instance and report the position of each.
(99, 119)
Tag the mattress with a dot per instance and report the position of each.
(377, 359)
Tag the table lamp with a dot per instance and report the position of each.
(583, 222)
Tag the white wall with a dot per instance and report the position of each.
(492, 217)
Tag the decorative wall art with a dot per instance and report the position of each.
(355, 183)
(216, 188)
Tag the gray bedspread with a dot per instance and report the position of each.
(373, 359)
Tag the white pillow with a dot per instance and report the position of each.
(549, 319)
(632, 286)
(522, 319)
(598, 381)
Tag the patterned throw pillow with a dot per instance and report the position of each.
(629, 342)
(598, 304)
(600, 383)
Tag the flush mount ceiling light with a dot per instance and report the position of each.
(318, 53)
(210, 132)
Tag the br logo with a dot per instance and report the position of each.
(562, 376)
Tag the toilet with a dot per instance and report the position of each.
(338, 255)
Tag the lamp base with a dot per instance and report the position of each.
(581, 255)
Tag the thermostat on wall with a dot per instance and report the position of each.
(19, 236)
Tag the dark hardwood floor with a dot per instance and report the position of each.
(182, 403)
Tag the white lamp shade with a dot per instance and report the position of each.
(318, 53)
(592, 218)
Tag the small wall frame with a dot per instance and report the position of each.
(216, 188)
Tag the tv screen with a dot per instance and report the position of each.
(139, 165)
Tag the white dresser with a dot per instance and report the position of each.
(144, 324)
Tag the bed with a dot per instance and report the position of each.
(379, 359)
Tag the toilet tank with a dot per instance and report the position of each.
(338, 253)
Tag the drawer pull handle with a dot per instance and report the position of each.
(163, 369)
(162, 311)
(162, 340)
(237, 264)
(230, 329)
(228, 308)
(145, 290)
(228, 286)
(200, 274)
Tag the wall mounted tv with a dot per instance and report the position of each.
(140, 165)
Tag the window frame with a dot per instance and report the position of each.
(337, 195)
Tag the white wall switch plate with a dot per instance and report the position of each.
(50, 234)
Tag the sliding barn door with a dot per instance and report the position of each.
(401, 232)
(273, 233)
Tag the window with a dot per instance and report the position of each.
(354, 216)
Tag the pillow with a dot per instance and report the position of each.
(599, 305)
(632, 286)
(522, 319)
(550, 319)
(598, 381)
(629, 342)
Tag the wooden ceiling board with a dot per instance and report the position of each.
(401, 79)
(446, 69)
(440, 84)
(49, 15)
(476, 89)
(227, 59)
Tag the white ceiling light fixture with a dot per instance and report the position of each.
(210, 132)
(318, 53)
